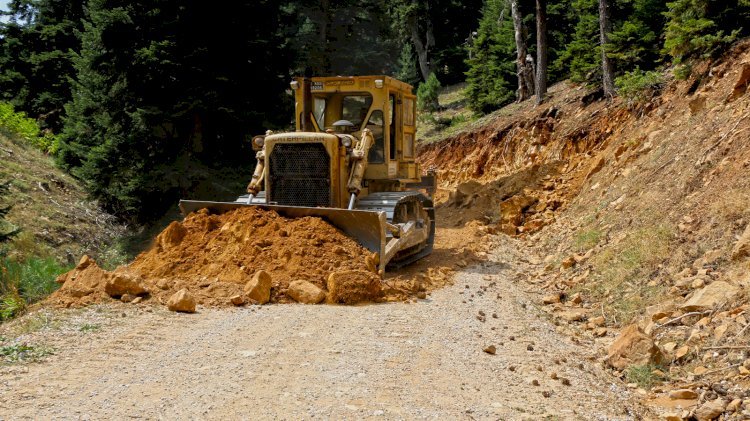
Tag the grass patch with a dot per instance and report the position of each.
(22, 353)
(26, 282)
(624, 270)
(586, 239)
(89, 327)
(644, 375)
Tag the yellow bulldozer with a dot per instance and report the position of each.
(351, 161)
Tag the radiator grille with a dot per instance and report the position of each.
(300, 175)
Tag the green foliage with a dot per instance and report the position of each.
(683, 71)
(638, 86)
(159, 100)
(492, 73)
(26, 282)
(407, 66)
(699, 28)
(358, 38)
(444, 25)
(644, 375)
(634, 41)
(428, 93)
(89, 327)
(586, 239)
(22, 352)
(582, 55)
(37, 46)
(26, 128)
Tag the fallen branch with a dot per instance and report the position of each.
(720, 369)
(677, 319)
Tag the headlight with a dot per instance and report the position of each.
(346, 142)
(259, 141)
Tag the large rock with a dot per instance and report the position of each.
(710, 410)
(305, 292)
(258, 288)
(633, 347)
(743, 81)
(120, 284)
(181, 301)
(742, 246)
(353, 286)
(511, 212)
(708, 297)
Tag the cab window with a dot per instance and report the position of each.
(377, 150)
(355, 108)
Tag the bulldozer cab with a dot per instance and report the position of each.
(381, 104)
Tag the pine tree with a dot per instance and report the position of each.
(582, 55)
(159, 93)
(702, 27)
(36, 56)
(491, 75)
(407, 66)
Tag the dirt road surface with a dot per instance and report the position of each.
(420, 360)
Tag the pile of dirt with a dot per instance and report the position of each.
(215, 257)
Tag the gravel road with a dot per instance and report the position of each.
(391, 361)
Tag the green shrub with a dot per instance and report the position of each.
(26, 128)
(682, 71)
(22, 352)
(26, 282)
(427, 94)
(643, 375)
(638, 86)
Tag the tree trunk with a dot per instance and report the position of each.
(524, 68)
(605, 27)
(541, 50)
(422, 46)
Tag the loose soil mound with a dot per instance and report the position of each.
(214, 256)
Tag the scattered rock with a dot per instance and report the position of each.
(568, 262)
(127, 298)
(305, 292)
(119, 284)
(490, 349)
(633, 347)
(682, 394)
(552, 298)
(181, 301)
(710, 410)
(598, 321)
(742, 246)
(574, 315)
(715, 293)
(259, 287)
(351, 287)
(237, 300)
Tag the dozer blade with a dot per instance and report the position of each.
(368, 228)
